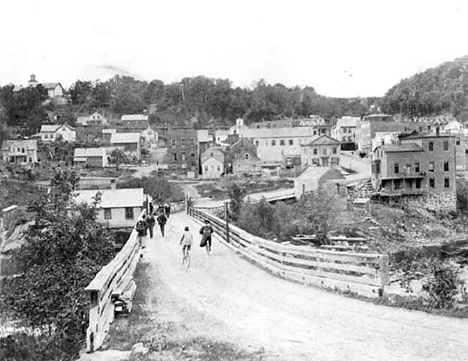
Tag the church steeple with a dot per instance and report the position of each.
(32, 81)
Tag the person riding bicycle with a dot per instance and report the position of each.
(186, 242)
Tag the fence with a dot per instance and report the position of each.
(364, 274)
(109, 283)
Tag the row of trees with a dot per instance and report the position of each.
(193, 98)
(434, 91)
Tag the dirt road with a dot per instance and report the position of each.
(225, 298)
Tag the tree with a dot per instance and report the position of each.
(80, 92)
(157, 187)
(117, 157)
(236, 195)
(63, 251)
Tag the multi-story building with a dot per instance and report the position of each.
(322, 151)
(421, 165)
(345, 130)
(182, 150)
(212, 163)
(19, 151)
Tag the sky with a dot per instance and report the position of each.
(341, 48)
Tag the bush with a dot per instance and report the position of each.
(444, 285)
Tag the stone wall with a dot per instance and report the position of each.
(434, 202)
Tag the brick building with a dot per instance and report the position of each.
(182, 150)
(422, 165)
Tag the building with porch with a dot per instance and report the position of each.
(19, 151)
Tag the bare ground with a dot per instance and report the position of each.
(224, 308)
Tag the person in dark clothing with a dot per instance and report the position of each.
(151, 222)
(141, 230)
(167, 209)
(162, 219)
(206, 231)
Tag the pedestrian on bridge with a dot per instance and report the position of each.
(206, 231)
(162, 219)
(167, 209)
(150, 222)
(141, 230)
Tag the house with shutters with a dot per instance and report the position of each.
(323, 151)
(212, 163)
(54, 132)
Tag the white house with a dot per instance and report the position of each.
(314, 178)
(53, 132)
(382, 138)
(345, 129)
(453, 127)
(119, 208)
(94, 157)
(149, 135)
(129, 142)
(93, 119)
(212, 163)
(19, 151)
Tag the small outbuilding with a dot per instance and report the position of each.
(313, 178)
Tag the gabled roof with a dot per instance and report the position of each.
(89, 152)
(50, 85)
(214, 153)
(322, 140)
(117, 138)
(397, 148)
(319, 172)
(240, 156)
(49, 128)
(30, 144)
(127, 117)
(113, 198)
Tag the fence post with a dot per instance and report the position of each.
(384, 271)
(226, 216)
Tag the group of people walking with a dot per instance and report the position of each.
(147, 223)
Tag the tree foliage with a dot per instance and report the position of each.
(236, 195)
(63, 251)
(156, 186)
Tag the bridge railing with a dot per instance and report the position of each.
(113, 277)
(361, 273)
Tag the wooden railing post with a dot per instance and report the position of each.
(226, 216)
(384, 271)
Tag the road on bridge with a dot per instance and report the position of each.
(226, 298)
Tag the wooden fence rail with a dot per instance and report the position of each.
(361, 273)
(102, 290)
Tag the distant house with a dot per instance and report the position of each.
(129, 142)
(19, 151)
(212, 163)
(314, 178)
(453, 126)
(136, 122)
(149, 136)
(93, 157)
(345, 132)
(246, 162)
(55, 90)
(107, 135)
(93, 119)
(53, 132)
(382, 138)
(119, 208)
(322, 151)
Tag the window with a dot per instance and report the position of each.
(445, 145)
(431, 166)
(416, 167)
(282, 142)
(183, 156)
(219, 168)
(396, 168)
(324, 151)
(107, 213)
(174, 167)
(334, 150)
(315, 151)
(182, 142)
(192, 141)
(446, 166)
(397, 184)
(431, 146)
(447, 182)
(418, 183)
(173, 142)
(273, 142)
(408, 168)
(256, 143)
(458, 141)
(22, 150)
(431, 182)
(46, 136)
(128, 212)
(377, 168)
(192, 155)
(184, 166)
(291, 142)
(175, 157)
(246, 156)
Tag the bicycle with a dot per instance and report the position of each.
(186, 255)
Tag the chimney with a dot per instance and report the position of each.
(113, 185)
(437, 131)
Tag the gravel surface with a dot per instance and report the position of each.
(227, 299)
